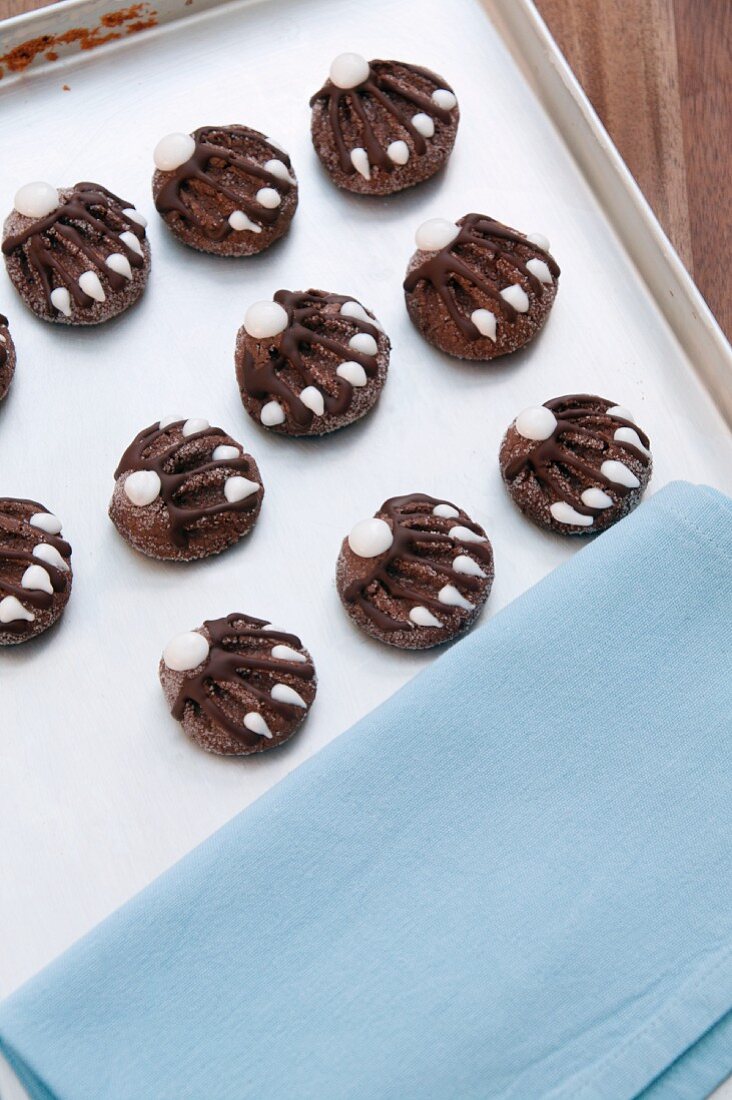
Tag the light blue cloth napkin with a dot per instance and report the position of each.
(511, 880)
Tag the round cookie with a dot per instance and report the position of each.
(76, 256)
(417, 574)
(7, 357)
(238, 685)
(224, 189)
(309, 362)
(381, 126)
(185, 490)
(35, 570)
(477, 289)
(576, 464)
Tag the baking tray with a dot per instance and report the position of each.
(99, 789)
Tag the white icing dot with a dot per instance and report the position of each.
(36, 579)
(272, 414)
(61, 299)
(265, 319)
(239, 221)
(287, 653)
(621, 412)
(485, 322)
(444, 98)
(46, 521)
(537, 423)
(312, 399)
(50, 555)
(628, 435)
(565, 513)
(225, 453)
(445, 511)
(36, 200)
(450, 596)
(268, 197)
(131, 240)
(435, 233)
(194, 425)
(423, 124)
(119, 264)
(619, 474)
(142, 487)
(172, 151)
(239, 488)
(185, 651)
(11, 609)
(276, 145)
(353, 373)
(464, 534)
(355, 309)
(254, 722)
(364, 342)
(596, 498)
(279, 169)
(463, 564)
(398, 152)
(89, 283)
(168, 420)
(420, 616)
(517, 297)
(135, 216)
(283, 693)
(360, 161)
(539, 240)
(540, 270)
(370, 537)
(348, 70)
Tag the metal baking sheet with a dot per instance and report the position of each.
(99, 789)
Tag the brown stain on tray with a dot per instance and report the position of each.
(113, 25)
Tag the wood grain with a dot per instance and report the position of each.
(659, 75)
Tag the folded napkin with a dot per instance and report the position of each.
(511, 880)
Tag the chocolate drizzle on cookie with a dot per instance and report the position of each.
(3, 346)
(574, 465)
(458, 274)
(419, 572)
(216, 170)
(180, 461)
(316, 335)
(24, 564)
(239, 675)
(90, 222)
(391, 91)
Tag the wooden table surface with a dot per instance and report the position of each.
(659, 74)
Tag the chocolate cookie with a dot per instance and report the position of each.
(185, 490)
(477, 289)
(417, 574)
(309, 362)
(35, 570)
(381, 126)
(238, 685)
(7, 357)
(224, 189)
(576, 464)
(77, 256)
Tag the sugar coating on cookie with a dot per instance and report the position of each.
(7, 356)
(185, 490)
(417, 573)
(76, 256)
(381, 126)
(35, 570)
(238, 685)
(224, 189)
(576, 464)
(477, 289)
(309, 362)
